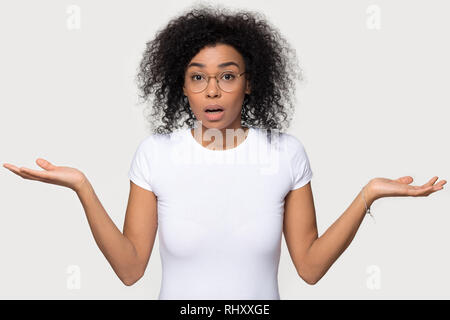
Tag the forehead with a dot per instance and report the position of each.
(218, 56)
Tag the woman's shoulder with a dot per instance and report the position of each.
(286, 141)
(158, 138)
(292, 140)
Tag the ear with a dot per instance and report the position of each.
(247, 89)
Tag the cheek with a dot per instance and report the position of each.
(194, 104)
(237, 104)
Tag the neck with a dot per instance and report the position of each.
(237, 133)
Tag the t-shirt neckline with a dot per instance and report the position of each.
(237, 148)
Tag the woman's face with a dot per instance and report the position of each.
(208, 60)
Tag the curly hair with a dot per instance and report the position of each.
(270, 61)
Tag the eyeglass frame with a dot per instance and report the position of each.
(217, 80)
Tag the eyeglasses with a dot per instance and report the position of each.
(198, 81)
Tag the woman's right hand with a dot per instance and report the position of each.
(64, 176)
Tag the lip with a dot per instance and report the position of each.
(213, 106)
(214, 116)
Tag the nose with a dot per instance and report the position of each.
(212, 89)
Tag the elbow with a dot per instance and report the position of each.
(309, 278)
(129, 281)
(312, 281)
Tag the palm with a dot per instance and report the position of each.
(382, 187)
(64, 176)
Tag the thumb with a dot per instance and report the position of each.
(44, 164)
(405, 179)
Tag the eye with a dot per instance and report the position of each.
(231, 76)
(196, 75)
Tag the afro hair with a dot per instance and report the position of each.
(270, 61)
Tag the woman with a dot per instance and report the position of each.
(220, 225)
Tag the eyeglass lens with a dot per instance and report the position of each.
(228, 81)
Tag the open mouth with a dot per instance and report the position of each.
(214, 110)
(214, 113)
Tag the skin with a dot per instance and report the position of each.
(129, 252)
(211, 57)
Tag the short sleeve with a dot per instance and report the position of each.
(301, 168)
(140, 170)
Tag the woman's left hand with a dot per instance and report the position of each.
(382, 187)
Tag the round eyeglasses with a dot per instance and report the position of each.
(228, 81)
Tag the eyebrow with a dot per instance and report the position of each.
(201, 65)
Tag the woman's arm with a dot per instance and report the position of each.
(115, 246)
(313, 255)
(325, 250)
(128, 253)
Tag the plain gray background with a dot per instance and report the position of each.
(374, 103)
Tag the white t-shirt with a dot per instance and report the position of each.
(220, 212)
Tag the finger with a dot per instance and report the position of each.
(426, 190)
(21, 173)
(441, 183)
(8, 165)
(44, 164)
(405, 179)
(426, 185)
(28, 176)
(34, 173)
(431, 181)
(437, 186)
(420, 191)
(12, 168)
